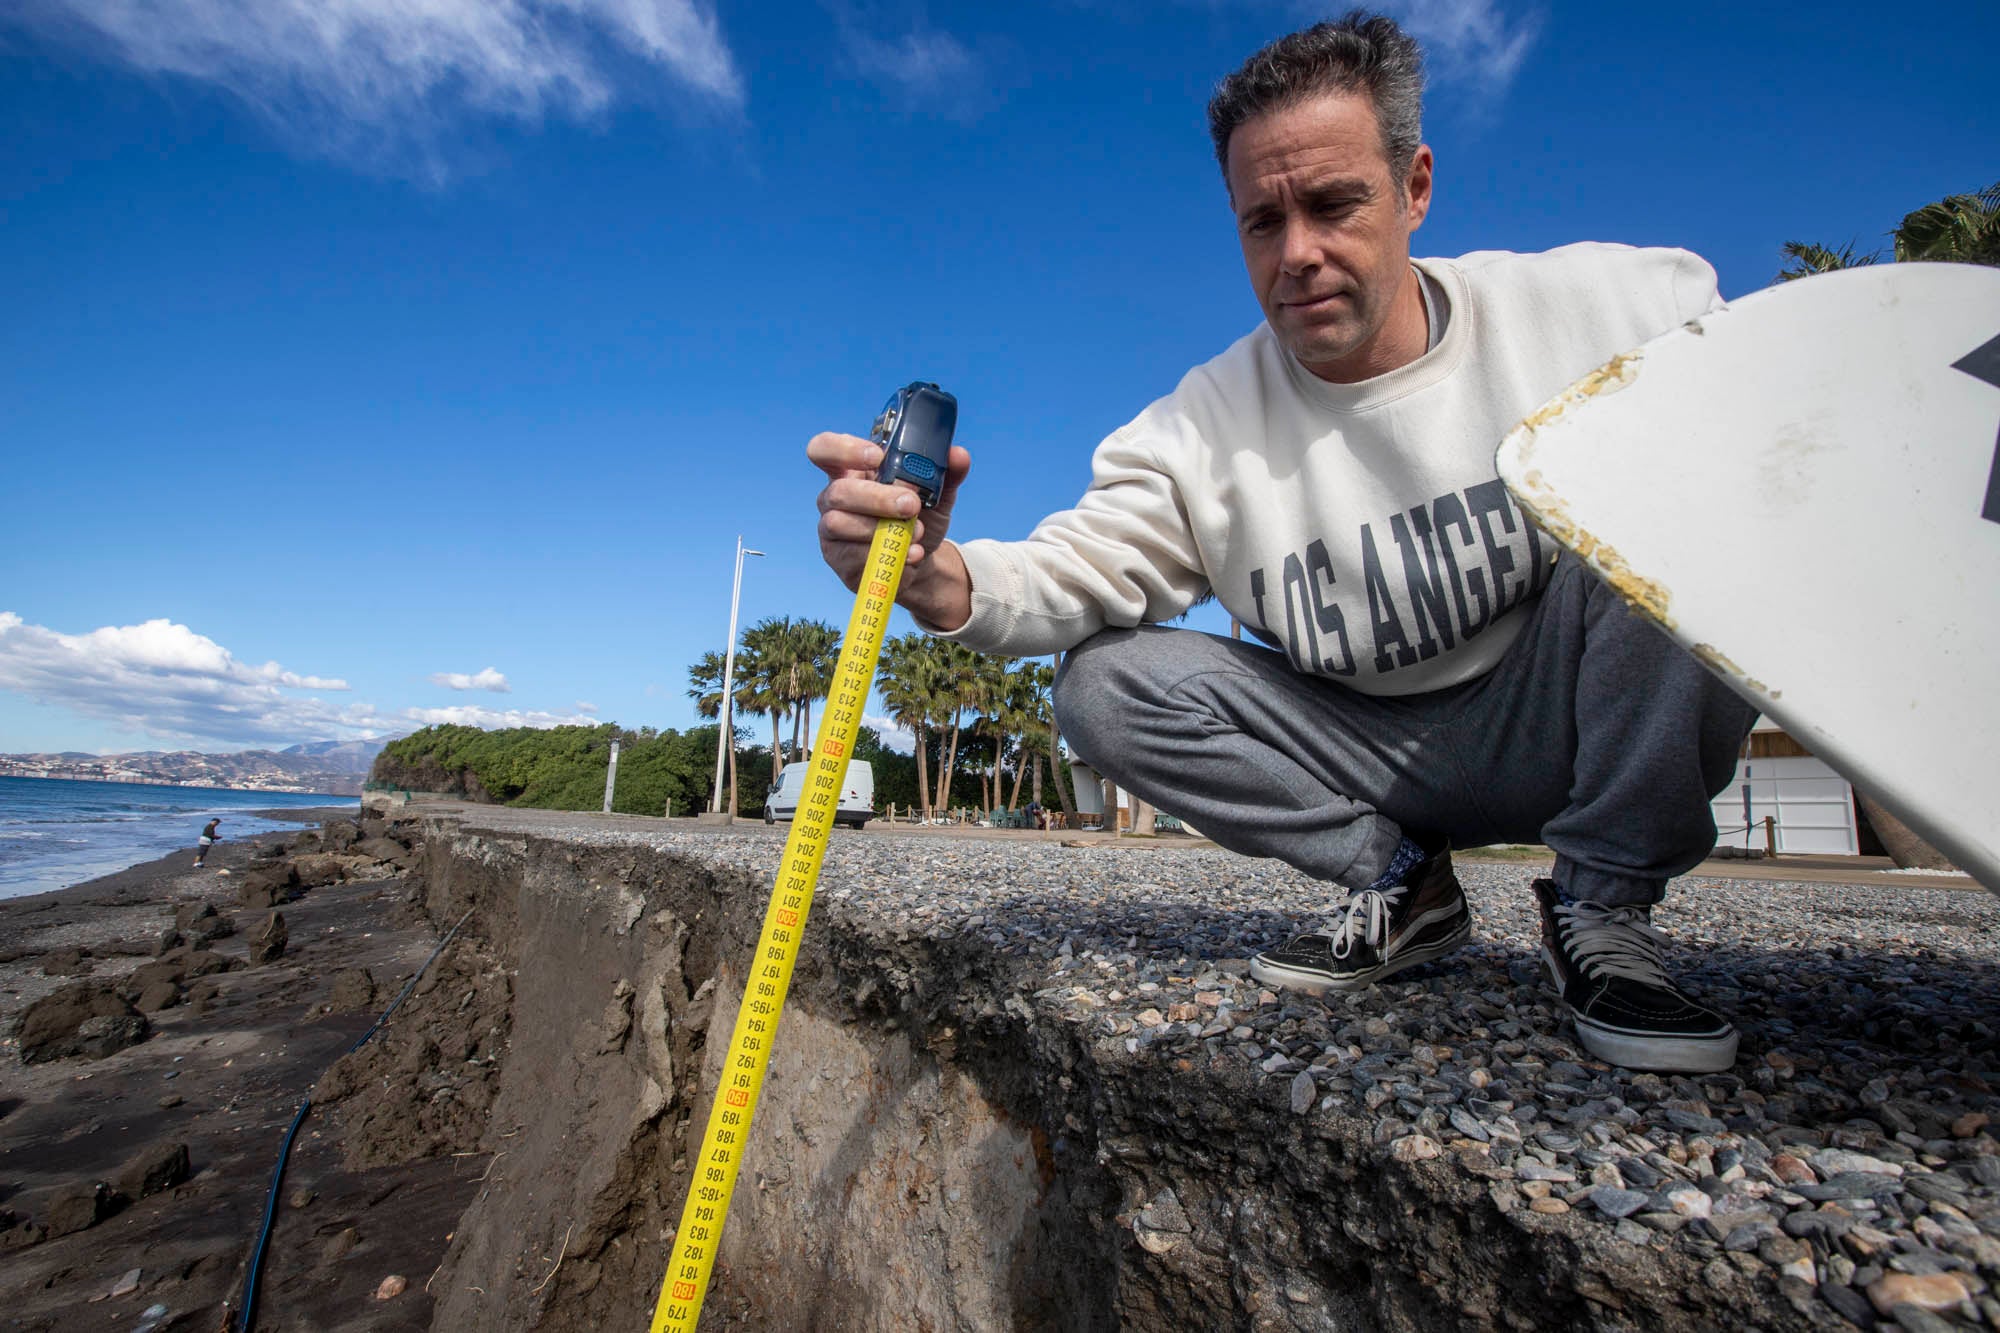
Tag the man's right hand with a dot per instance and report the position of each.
(936, 587)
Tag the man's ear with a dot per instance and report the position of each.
(1417, 186)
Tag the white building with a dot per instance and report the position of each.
(1812, 806)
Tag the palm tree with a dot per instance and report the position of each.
(814, 654)
(763, 666)
(965, 680)
(906, 681)
(705, 685)
(705, 688)
(1804, 259)
(1957, 229)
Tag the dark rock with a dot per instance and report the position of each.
(383, 849)
(320, 868)
(67, 963)
(89, 1020)
(1851, 1185)
(160, 1167)
(267, 888)
(1826, 1228)
(178, 966)
(1848, 1303)
(201, 923)
(353, 989)
(202, 994)
(17, 1233)
(268, 944)
(337, 835)
(1914, 1318)
(160, 995)
(170, 940)
(204, 962)
(81, 1207)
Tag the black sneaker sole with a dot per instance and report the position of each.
(1315, 982)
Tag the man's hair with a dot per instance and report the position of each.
(1361, 53)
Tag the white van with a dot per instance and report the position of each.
(857, 795)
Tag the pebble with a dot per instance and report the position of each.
(1414, 1148)
(1617, 1202)
(1304, 1092)
(1926, 1291)
(1835, 1162)
(391, 1287)
(1688, 1201)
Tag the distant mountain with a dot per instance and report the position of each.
(332, 768)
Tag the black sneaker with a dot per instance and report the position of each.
(1374, 933)
(1605, 962)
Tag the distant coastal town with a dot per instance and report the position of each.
(327, 768)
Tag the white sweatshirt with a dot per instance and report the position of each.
(1361, 528)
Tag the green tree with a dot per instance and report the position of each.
(1957, 229)
(1803, 259)
(705, 688)
(906, 680)
(815, 654)
(763, 661)
(966, 682)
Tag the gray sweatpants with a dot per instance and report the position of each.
(1595, 734)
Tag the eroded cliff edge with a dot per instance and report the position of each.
(1031, 1088)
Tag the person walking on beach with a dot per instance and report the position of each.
(1437, 673)
(207, 840)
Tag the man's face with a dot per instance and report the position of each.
(1325, 230)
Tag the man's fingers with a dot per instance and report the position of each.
(855, 495)
(840, 455)
(837, 526)
(957, 464)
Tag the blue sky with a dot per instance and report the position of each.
(424, 362)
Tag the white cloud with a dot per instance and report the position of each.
(583, 707)
(926, 65)
(379, 81)
(1475, 44)
(164, 680)
(488, 679)
(168, 681)
(472, 715)
(894, 735)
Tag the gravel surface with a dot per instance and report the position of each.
(1851, 1148)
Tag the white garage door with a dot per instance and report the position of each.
(1813, 805)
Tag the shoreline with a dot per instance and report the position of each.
(213, 1085)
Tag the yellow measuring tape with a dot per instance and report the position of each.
(714, 1181)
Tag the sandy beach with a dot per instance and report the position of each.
(104, 1222)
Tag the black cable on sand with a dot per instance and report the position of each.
(285, 1152)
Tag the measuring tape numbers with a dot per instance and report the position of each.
(916, 432)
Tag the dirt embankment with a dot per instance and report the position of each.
(933, 1149)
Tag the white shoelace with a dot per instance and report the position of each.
(1613, 941)
(1365, 914)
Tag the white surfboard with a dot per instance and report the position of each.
(1804, 489)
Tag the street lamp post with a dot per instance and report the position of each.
(725, 744)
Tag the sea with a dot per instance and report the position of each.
(55, 833)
